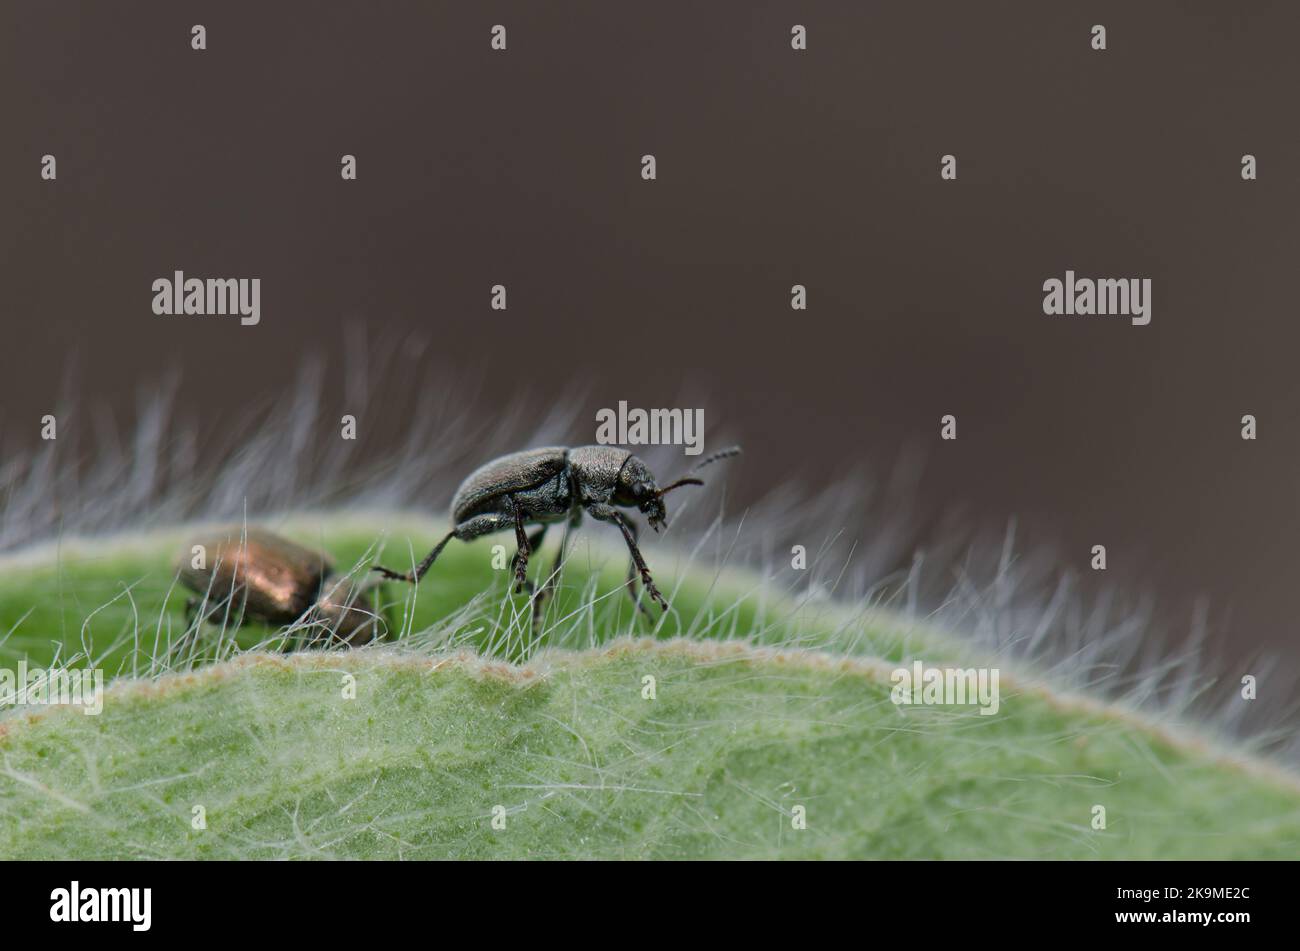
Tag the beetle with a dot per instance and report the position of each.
(553, 484)
(264, 577)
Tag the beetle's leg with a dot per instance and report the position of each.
(632, 571)
(527, 545)
(553, 576)
(607, 513)
(419, 572)
(466, 531)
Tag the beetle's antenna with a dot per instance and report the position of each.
(677, 485)
(707, 460)
(720, 454)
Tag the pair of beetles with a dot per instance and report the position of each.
(269, 579)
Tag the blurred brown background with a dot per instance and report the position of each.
(775, 167)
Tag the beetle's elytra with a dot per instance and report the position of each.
(553, 484)
(259, 576)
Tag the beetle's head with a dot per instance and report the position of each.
(636, 486)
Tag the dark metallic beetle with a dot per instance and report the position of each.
(542, 486)
(263, 577)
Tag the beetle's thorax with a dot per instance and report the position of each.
(594, 471)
